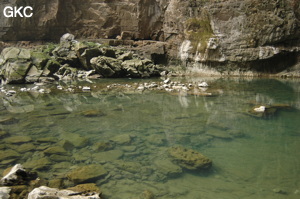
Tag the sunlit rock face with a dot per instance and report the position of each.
(219, 31)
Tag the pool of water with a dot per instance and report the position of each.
(129, 132)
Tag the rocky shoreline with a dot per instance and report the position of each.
(72, 59)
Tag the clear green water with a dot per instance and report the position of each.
(252, 157)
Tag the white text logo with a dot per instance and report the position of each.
(10, 11)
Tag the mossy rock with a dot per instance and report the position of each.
(167, 167)
(9, 154)
(86, 173)
(52, 66)
(85, 188)
(39, 164)
(49, 47)
(3, 133)
(107, 156)
(58, 150)
(189, 159)
(102, 146)
(39, 59)
(93, 113)
(18, 139)
(8, 120)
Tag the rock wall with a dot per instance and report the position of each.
(84, 18)
(256, 33)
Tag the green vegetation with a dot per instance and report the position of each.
(198, 31)
(91, 44)
(49, 47)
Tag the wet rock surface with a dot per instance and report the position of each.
(86, 173)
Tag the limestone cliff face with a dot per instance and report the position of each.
(84, 18)
(252, 32)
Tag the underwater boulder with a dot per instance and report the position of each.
(189, 159)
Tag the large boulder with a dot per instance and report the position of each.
(86, 53)
(189, 159)
(14, 64)
(67, 38)
(106, 66)
(133, 67)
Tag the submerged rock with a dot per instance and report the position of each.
(44, 192)
(122, 139)
(8, 120)
(110, 155)
(168, 168)
(18, 139)
(86, 173)
(55, 150)
(75, 139)
(102, 146)
(218, 133)
(147, 194)
(189, 159)
(88, 189)
(40, 164)
(9, 154)
(3, 134)
(93, 113)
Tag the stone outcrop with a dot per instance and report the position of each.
(226, 35)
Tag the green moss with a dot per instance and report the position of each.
(39, 59)
(49, 47)
(198, 31)
(91, 44)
